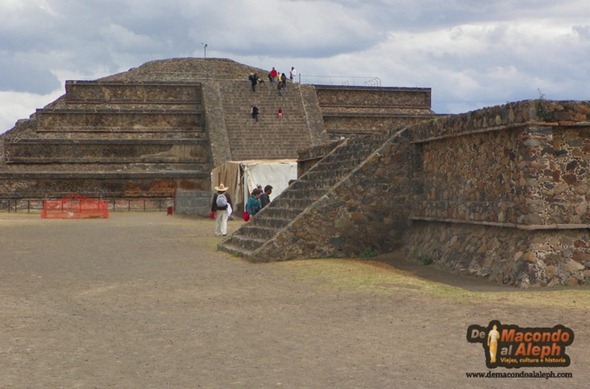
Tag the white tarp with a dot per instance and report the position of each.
(242, 177)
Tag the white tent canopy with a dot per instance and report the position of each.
(242, 176)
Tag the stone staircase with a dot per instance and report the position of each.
(271, 137)
(300, 195)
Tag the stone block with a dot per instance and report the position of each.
(572, 266)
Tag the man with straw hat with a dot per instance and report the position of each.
(221, 209)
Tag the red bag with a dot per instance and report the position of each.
(246, 216)
(212, 215)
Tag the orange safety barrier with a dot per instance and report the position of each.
(74, 207)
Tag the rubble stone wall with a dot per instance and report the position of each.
(503, 193)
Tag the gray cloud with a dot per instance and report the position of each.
(21, 73)
(471, 53)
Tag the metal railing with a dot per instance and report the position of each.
(115, 204)
(340, 80)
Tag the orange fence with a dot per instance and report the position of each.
(74, 207)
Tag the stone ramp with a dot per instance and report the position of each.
(300, 195)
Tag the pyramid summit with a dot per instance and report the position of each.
(186, 70)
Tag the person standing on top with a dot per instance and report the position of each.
(273, 74)
(292, 74)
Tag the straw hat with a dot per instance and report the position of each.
(221, 188)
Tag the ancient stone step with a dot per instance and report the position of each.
(85, 166)
(106, 150)
(292, 203)
(95, 184)
(302, 193)
(124, 174)
(275, 212)
(112, 131)
(116, 118)
(245, 243)
(94, 92)
(330, 176)
(320, 183)
(256, 231)
(270, 136)
(270, 222)
(168, 108)
(192, 133)
(237, 250)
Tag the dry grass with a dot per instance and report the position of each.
(376, 277)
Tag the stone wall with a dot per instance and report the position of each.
(373, 97)
(114, 118)
(97, 151)
(474, 177)
(504, 192)
(348, 125)
(115, 184)
(504, 255)
(132, 93)
(193, 202)
(501, 193)
(530, 173)
(349, 111)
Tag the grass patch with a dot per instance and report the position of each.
(379, 278)
(368, 253)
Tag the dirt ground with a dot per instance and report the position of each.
(144, 300)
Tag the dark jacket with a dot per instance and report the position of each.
(264, 199)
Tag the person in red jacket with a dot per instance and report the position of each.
(273, 75)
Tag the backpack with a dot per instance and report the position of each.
(221, 201)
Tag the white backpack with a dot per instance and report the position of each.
(221, 201)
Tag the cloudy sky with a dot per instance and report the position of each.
(472, 53)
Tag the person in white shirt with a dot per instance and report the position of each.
(292, 74)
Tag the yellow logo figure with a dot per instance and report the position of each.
(493, 337)
(512, 346)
